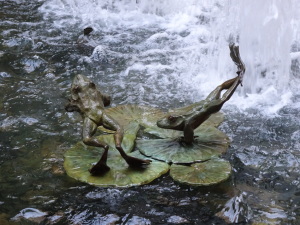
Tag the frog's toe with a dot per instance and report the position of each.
(99, 169)
(135, 162)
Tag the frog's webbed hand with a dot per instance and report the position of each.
(71, 106)
(89, 129)
(111, 124)
(235, 56)
(106, 100)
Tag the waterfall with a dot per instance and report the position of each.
(193, 37)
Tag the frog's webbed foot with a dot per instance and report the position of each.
(99, 169)
(132, 161)
(136, 162)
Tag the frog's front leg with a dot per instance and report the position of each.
(188, 133)
(89, 129)
(111, 124)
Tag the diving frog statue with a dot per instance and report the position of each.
(87, 99)
(212, 104)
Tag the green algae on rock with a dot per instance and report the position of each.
(206, 173)
(209, 143)
(80, 158)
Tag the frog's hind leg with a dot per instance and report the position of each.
(111, 124)
(89, 129)
(216, 93)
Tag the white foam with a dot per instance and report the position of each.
(190, 40)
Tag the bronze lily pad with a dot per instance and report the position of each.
(206, 173)
(144, 115)
(80, 158)
(210, 142)
(130, 131)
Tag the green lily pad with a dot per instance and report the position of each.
(206, 173)
(145, 115)
(80, 158)
(214, 120)
(130, 132)
(209, 143)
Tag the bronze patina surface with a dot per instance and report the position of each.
(88, 100)
(189, 121)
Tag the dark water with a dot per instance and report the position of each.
(37, 64)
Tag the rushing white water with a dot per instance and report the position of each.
(189, 39)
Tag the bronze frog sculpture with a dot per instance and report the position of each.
(212, 104)
(87, 99)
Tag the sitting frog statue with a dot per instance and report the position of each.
(212, 104)
(87, 99)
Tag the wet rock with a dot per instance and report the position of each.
(58, 169)
(85, 43)
(8, 124)
(19, 44)
(236, 210)
(33, 64)
(273, 215)
(57, 217)
(136, 220)
(4, 220)
(177, 220)
(4, 74)
(109, 219)
(30, 214)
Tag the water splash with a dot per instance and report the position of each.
(186, 42)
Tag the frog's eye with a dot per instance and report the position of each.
(92, 85)
(172, 118)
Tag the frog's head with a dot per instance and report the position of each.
(171, 122)
(80, 91)
(81, 84)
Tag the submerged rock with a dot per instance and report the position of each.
(85, 43)
(177, 220)
(30, 214)
(19, 44)
(33, 64)
(136, 220)
(236, 210)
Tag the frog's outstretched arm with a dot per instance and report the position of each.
(231, 84)
(88, 131)
(234, 84)
(216, 93)
(111, 124)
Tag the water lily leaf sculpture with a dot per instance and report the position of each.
(209, 143)
(80, 158)
(144, 115)
(205, 173)
(130, 132)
